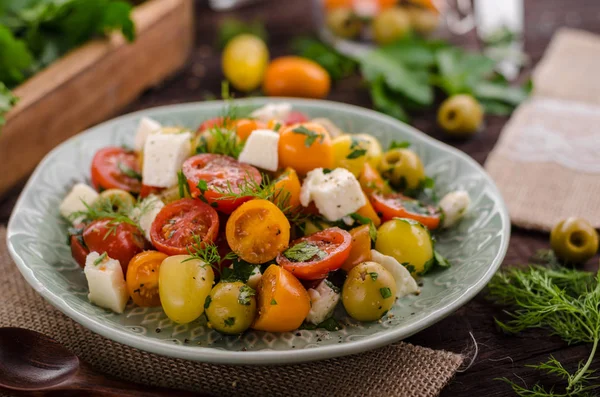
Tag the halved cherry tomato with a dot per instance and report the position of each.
(182, 223)
(283, 303)
(120, 241)
(295, 117)
(147, 190)
(142, 278)
(287, 189)
(79, 251)
(361, 247)
(305, 147)
(223, 175)
(258, 231)
(244, 127)
(116, 168)
(396, 205)
(329, 248)
(368, 211)
(371, 181)
(216, 122)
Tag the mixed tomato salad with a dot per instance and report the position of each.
(265, 221)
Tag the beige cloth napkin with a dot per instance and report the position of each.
(547, 161)
(397, 370)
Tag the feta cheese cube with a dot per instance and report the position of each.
(323, 300)
(336, 194)
(277, 111)
(254, 278)
(454, 205)
(106, 282)
(163, 156)
(146, 127)
(74, 201)
(405, 283)
(261, 150)
(147, 211)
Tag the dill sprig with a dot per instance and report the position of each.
(565, 301)
(207, 253)
(112, 208)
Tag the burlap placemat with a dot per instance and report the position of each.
(547, 161)
(397, 370)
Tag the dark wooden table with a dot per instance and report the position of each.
(499, 355)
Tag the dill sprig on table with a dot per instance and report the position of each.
(565, 301)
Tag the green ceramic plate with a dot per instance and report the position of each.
(37, 242)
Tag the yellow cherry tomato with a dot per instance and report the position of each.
(287, 189)
(304, 147)
(403, 168)
(184, 283)
(353, 151)
(408, 242)
(296, 77)
(369, 291)
(245, 59)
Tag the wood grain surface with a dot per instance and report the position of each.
(498, 355)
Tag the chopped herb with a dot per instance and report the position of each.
(311, 136)
(326, 171)
(356, 149)
(273, 301)
(363, 220)
(331, 325)
(207, 302)
(246, 293)
(385, 292)
(230, 321)
(411, 269)
(399, 145)
(100, 259)
(277, 127)
(373, 275)
(202, 186)
(128, 171)
(440, 260)
(373, 232)
(304, 252)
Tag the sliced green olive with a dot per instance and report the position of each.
(403, 168)
(460, 115)
(574, 240)
(231, 307)
(344, 22)
(118, 198)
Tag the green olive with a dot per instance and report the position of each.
(460, 115)
(344, 22)
(574, 240)
(403, 168)
(408, 242)
(369, 291)
(423, 21)
(120, 199)
(231, 307)
(391, 25)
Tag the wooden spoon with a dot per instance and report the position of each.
(33, 362)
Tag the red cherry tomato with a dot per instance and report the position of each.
(181, 223)
(215, 122)
(331, 248)
(221, 174)
(396, 205)
(120, 241)
(116, 168)
(78, 250)
(295, 117)
(147, 190)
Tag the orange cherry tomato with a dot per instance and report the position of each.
(115, 168)
(282, 302)
(368, 211)
(425, 4)
(314, 256)
(383, 4)
(396, 205)
(371, 181)
(258, 231)
(287, 189)
(244, 127)
(221, 175)
(180, 224)
(142, 278)
(332, 4)
(296, 77)
(361, 247)
(305, 147)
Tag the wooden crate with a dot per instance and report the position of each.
(92, 83)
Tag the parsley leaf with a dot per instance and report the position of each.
(399, 145)
(304, 252)
(356, 148)
(311, 136)
(273, 301)
(385, 292)
(207, 302)
(373, 275)
(229, 321)
(337, 65)
(246, 293)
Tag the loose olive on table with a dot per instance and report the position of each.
(344, 22)
(369, 291)
(460, 115)
(574, 240)
(231, 307)
(390, 25)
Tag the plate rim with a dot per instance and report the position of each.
(266, 356)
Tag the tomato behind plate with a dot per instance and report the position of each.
(221, 175)
(181, 224)
(396, 205)
(295, 117)
(313, 257)
(116, 168)
(120, 241)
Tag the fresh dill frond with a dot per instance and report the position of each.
(223, 141)
(112, 208)
(564, 301)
